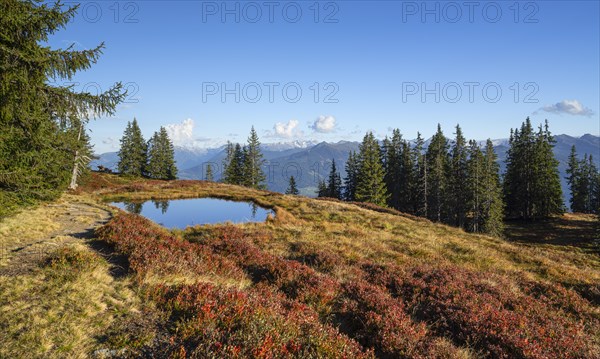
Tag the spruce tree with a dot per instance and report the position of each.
(457, 180)
(43, 124)
(352, 167)
(475, 185)
(133, 152)
(229, 150)
(583, 183)
(574, 181)
(322, 189)
(155, 157)
(407, 179)
(209, 176)
(420, 197)
(547, 188)
(370, 186)
(437, 177)
(161, 156)
(531, 181)
(392, 165)
(234, 171)
(493, 205)
(483, 191)
(253, 173)
(334, 184)
(292, 187)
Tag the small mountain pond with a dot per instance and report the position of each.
(180, 213)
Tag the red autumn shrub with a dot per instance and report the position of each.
(296, 280)
(485, 311)
(321, 260)
(258, 323)
(150, 249)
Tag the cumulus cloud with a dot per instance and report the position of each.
(324, 124)
(569, 107)
(286, 130)
(181, 133)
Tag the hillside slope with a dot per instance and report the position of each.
(329, 279)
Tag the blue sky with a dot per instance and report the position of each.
(376, 64)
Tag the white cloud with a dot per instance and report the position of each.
(569, 107)
(181, 133)
(286, 130)
(324, 124)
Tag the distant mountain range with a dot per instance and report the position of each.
(309, 162)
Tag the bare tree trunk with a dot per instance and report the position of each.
(75, 174)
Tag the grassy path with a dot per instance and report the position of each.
(58, 292)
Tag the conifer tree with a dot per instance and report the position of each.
(370, 186)
(483, 191)
(209, 176)
(322, 189)
(292, 187)
(531, 181)
(547, 188)
(583, 183)
(420, 197)
(133, 152)
(573, 180)
(334, 184)
(41, 122)
(229, 150)
(475, 186)
(234, 171)
(407, 180)
(493, 205)
(352, 167)
(155, 157)
(161, 157)
(458, 180)
(437, 176)
(392, 166)
(253, 162)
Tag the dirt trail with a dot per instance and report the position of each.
(70, 219)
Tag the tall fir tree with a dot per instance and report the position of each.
(475, 186)
(407, 180)
(322, 190)
(161, 156)
(583, 183)
(253, 173)
(531, 181)
(229, 150)
(209, 175)
(458, 180)
(43, 124)
(437, 177)
(334, 182)
(234, 170)
(133, 152)
(493, 204)
(420, 197)
(574, 181)
(352, 167)
(547, 187)
(370, 186)
(292, 187)
(392, 149)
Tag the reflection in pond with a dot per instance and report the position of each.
(132, 207)
(181, 213)
(163, 205)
